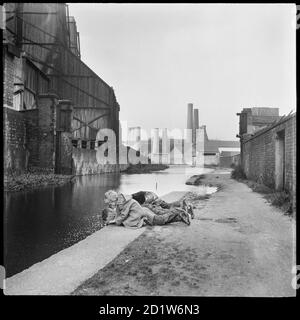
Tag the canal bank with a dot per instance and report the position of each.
(64, 271)
(29, 181)
(237, 245)
(40, 178)
(41, 222)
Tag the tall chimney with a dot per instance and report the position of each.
(196, 119)
(195, 124)
(189, 127)
(190, 116)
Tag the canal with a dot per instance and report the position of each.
(39, 223)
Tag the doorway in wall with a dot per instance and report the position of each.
(280, 160)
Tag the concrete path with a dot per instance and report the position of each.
(64, 271)
(237, 245)
(61, 273)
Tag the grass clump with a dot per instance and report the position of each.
(281, 200)
(238, 173)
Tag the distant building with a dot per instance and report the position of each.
(252, 119)
(214, 149)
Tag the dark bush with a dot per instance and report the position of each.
(238, 173)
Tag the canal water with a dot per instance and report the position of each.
(39, 223)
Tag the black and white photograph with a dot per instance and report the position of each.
(149, 149)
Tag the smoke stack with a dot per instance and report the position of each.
(190, 116)
(196, 119)
(189, 127)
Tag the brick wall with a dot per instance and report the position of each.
(47, 104)
(258, 154)
(211, 160)
(290, 157)
(228, 161)
(15, 153)
(32, 136)
(64, 161)
(25, 145)
(29, 137)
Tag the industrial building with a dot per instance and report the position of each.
(54, 104)
(194, 148)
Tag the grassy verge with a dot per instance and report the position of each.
(145, 168)
(279, 199)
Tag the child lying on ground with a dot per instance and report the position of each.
(129, 213)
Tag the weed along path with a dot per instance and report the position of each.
(237, 245)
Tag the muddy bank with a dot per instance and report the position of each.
(210, 180)
(29, 181)
(195, 180)
(145, 168)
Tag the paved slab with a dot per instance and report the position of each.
(64, 271)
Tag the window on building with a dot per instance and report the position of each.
(75, 143)
(83, 144)
(92, 144)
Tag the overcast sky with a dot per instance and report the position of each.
(221, 58)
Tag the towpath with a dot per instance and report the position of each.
(237, 245)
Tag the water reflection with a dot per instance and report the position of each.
(42, 222)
